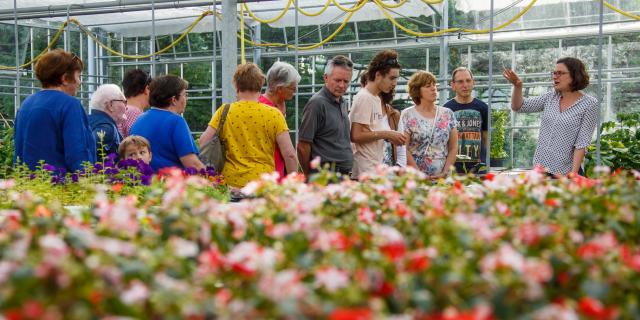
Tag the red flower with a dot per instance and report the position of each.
(351, 314)
(417, 262)
(631, 259)
(116, 187)
(384, 289)
(552, 203)
(394, 250)
(593, 308)
(489, 176)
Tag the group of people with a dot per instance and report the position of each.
(144, 121)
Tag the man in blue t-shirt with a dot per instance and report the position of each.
(472, 117)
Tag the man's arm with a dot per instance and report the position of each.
(304, 155)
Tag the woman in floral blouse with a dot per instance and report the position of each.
(433, 142)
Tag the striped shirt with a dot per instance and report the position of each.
(562, 132)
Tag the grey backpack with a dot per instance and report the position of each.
(213, 153)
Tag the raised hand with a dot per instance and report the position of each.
(512, 77)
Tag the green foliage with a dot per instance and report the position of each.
(6, 150)
(499, 120)
(619, 144)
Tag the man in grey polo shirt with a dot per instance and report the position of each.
(325, 129)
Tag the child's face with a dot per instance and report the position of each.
(137, 153)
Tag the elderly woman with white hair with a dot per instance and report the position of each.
(108, 105)
(282, 83)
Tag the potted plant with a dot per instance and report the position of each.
(498, 133)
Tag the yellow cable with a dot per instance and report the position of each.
(355, 8)
(278, 17)
(351, 11)
(450, 30)
(393, 6)
(622, 12)
(242, 60)
(45, 50)
(326, 5)
(510, 21)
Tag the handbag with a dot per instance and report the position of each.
(213, 153)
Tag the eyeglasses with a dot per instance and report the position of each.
(558, 73)
(119, 100)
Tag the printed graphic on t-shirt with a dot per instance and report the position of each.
(469, 135)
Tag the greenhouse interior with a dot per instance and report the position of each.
(545, 226)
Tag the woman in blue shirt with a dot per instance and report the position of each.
(51, 125)
(168, 132)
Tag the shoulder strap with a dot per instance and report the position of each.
(223, 118)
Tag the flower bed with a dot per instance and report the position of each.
(511, 247)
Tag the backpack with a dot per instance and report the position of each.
(213, 153)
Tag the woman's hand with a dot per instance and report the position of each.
(512, 77)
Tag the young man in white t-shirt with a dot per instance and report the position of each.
(369, 126)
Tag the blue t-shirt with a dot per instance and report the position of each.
(472, 120)
(169, 136)
(52, 126)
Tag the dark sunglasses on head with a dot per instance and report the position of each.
(341, 62)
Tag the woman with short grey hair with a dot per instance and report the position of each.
(108, 105)
(282, 84)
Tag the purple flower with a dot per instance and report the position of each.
(97, 167)
(145, 179)
(144, 168)
(61, 171)
(58, 180)
(109, 164)
(111, 171)
(32, 176)
(74, 177)
(112, 157)
(49, 167)
(190, 171)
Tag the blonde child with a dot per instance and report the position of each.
(136, 148)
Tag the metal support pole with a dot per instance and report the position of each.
(257, 51)
(229, 48)
(444, 53)
(214, 74)
(31, 55)
(91, 65)
(67, 35)
(599, 91)
(17, 44)
(152, 48)
(295, 2)
(489, 103)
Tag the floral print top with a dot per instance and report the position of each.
(428, 145)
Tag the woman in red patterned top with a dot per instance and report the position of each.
(282, 84)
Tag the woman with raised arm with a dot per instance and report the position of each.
(569, 117)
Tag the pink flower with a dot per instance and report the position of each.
(283, 285)
(332, 279)
(136, 293)
(598, 246)
(248, 257)
(315, 163)
(504, 257)
(537, 270)
(366, 215)
(555, 311)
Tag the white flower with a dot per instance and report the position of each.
(332, 279)
(136, 293)
(184, 248)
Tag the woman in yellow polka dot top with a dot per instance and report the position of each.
(251, 131)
